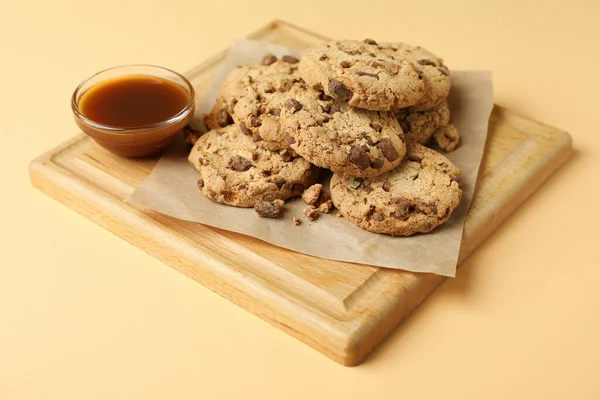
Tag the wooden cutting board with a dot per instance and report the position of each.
(341, 309)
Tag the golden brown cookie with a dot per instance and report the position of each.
(251, 97)
(416, 197)
(234, 170)
(333, 135)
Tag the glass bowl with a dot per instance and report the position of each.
(137, 141)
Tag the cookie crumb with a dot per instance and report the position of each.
(325, 207)
(311, 213)
(279, 202)
(268, 209)
(297, 221)
(312, 194)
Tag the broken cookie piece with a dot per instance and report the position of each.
(447, 137)
(312, 194)
(311, 213)
(268, 209)
(297, 221)
(325, 207)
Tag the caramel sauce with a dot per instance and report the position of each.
(133, 101)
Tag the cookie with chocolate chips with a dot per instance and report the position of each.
(432, 125)
(251, 98)
(234, 170)
(436, 75)
(416, 197)
(333, 135)
(364, 74)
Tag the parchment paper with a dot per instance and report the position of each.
(171, 189)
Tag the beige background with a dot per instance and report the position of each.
(84, 315)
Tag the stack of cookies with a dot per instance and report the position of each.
(365, 111)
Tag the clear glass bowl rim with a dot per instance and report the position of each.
(118, 130)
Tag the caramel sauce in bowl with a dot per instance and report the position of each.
(134, 110)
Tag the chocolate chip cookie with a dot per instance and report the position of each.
(436, 75)
(364, 74)
(433, 124)
(251, 97)
(331, 134)
(416, 197)
(234, 170)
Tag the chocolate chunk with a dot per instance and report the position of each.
(388, 149)
(297, 188)
(262, 110)
(345, 64)
(426, 61)
(279, 182)
(261, 99)
(362, 73)
(254, 121)
(370, 41)
(376, 64)
(223, 117)
(386, 186)
(293, 105)
(268, 59)
(256, 137)
(200, 183)
(403, 207)
(376, 127)
(378, 216)
(324, 97)
(377, 163)
(290, 59)
(275, 111)
(267, 209)
(365, 148)
(289, 139)
(339, 90)
(269, 90)
(368, 189)
(323, 57)
(358, 156)
(372, 55)
(245, 129)
(401, 204)
(239, 164)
